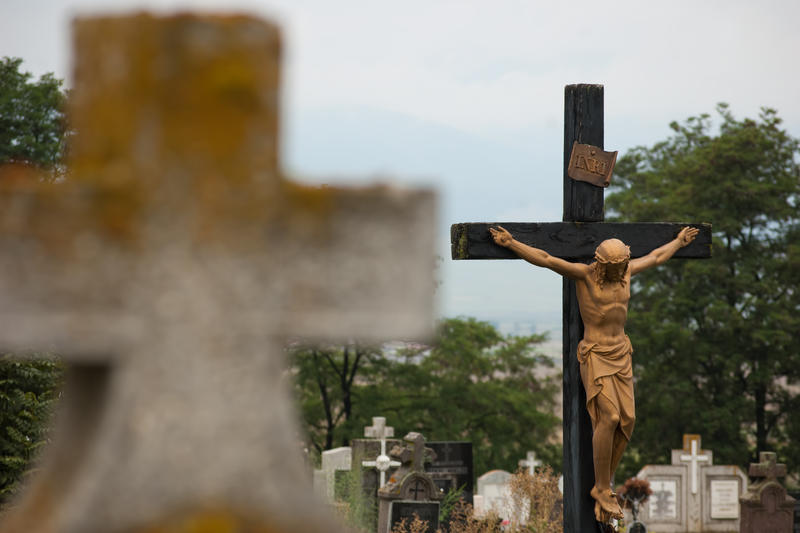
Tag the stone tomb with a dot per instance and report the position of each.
(767, 508)
(692, 494)
(168, 270)
(452, 467)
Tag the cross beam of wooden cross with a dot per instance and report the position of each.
(168, 270)
(575, 239)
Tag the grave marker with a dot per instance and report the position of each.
(379, 430)
(674, 507)
(530, 463)
(495, 492)
(408, 483)
(693, 458)
(453, 467)
(168, 269)
(333, 461)
(766, 507)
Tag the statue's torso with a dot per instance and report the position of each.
(604, 309)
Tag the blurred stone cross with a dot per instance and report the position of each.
(379, 430)
(530, 462)
(576, 239)
(168, 269)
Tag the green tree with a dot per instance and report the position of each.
(327, 379)
(471, 383)
(716, 341)
(27, 396)
(32, 123)
(32, 132)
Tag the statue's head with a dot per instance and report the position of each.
(612, 251)
(612, 258)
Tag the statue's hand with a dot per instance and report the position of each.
(501, 236)
(687, 235)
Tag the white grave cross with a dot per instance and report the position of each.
(693, 459)
(379, 430)
(530, 462)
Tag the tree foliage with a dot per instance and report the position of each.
(471, 383)
(716, 340)
(32, 123)
(27, 395)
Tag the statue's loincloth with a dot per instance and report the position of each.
(607, 370)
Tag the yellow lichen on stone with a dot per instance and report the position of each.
(177, 122)
(210, 521)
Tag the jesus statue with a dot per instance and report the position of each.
(603, 291)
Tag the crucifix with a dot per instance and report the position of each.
(379, 430)
(576, 239)
(168, 270)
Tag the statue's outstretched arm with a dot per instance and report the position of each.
(538, 257)
(660, 255)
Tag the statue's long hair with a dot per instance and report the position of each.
(599, 273)
(610, 251)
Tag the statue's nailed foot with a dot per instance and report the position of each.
(606, 506)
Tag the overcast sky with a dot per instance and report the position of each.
(467, 97)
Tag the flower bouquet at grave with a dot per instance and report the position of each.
(633, 494)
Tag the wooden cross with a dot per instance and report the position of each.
(575, 239)
(169, 268)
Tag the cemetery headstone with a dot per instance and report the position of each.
(334, 460)
(382, 463)
(766, 507)
(169, 268)
(493, 487)
(452, 468)
(693, 494)
(410, 489)
(796, 496)
(367, 451)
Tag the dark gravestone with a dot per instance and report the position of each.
(796, 496)
(452, 467)
(407, 509)
(409, 483)
(766, 507)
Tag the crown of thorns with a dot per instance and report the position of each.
(612, 251)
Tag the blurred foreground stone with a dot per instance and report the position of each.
(169, 268)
